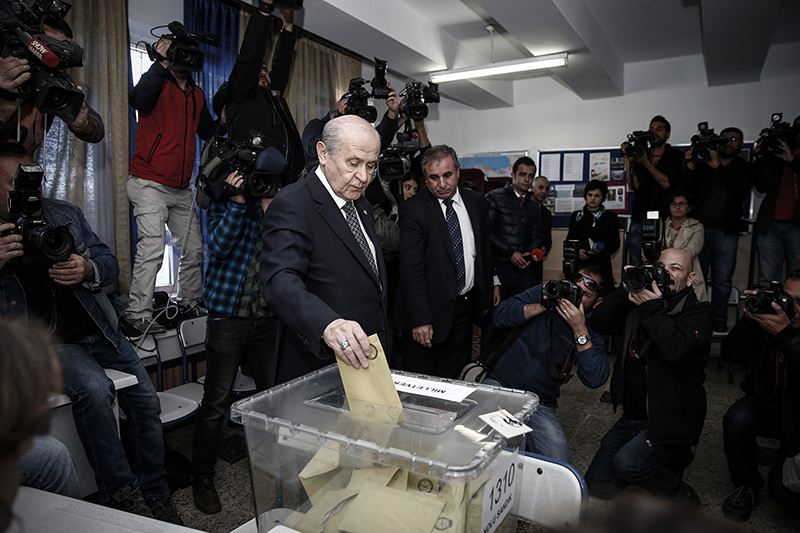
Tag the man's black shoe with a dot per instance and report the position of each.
(720, 326)
(130, 500)
(739, 504)
(205, 495)
(163, 509)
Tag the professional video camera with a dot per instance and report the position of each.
(705, 141)
(760, 303)
(358, 101)
(395, 161)
(566, 288)
(263, 168)
(22, 35)
(183, 52)
(43, 243)
(418, 97)
(638, 141)
(642, 277)
(778, 131)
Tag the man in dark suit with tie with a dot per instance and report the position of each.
(321, 265)
(445, 267)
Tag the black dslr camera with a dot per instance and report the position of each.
(49, 88)
(760, 303)
(395, 161)
(418, 97)
(262, 168)
(705, 141)
(642, 277)
(43, 243)
(778, 131)
(183, 52)
(638, 141)
(566, 288)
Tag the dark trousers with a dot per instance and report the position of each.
(748, 418)
(626, 457)
(445, 358)
(230, 342)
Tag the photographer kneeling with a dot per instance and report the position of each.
(767, 339)
(553, 338)
(658, 378)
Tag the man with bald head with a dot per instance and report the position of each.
(658, 379)
(321, 265)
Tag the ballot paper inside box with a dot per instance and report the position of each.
(321, 462)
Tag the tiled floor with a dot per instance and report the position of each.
(585, 419)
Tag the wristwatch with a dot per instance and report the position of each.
(582, 340)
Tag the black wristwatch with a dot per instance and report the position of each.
(582, 340)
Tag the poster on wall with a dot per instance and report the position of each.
(615, 200)
(551, 167)
(600, 166)
(573, 167)
(493, 164)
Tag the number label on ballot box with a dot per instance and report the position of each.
(499, 493)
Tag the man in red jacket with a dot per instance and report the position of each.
(172, 110)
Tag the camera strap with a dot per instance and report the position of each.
(565, 372)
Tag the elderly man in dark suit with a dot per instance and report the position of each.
(321, 265)
(445, 267)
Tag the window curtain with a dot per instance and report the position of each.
(93, 176)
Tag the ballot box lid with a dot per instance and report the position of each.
(440, 431)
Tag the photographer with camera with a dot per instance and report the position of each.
(719, 183)
(65, 291)
(253, 95)
(20, 118)
(652, 168)
(658, 379)
(516, 229)
(553, 337)
(172, 112)
(767, 340)
(777, 174)
(241, 328)
(596, 229)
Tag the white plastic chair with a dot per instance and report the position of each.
(552, 493)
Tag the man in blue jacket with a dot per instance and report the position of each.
(67, 295)
(553, 342)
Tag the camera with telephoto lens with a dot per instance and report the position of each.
(638, 142)
(42, 243)
(263, 169)
(418, 97)
(183, 52)
(705, 141)
(395, 160)
(770, 138)
(760, 303)
(358, 101)
(22, 35)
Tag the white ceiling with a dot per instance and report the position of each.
(739, 40)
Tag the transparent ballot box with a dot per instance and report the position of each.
(319, 462)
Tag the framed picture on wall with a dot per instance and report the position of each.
(493, 164)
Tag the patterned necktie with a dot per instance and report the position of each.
(352, 221)
(454, 228)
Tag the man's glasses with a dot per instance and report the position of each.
(588, 282)
(733, 139)
(679, 204)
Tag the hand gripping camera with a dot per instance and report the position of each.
(638, 142)
(642, 277)
(760, 303)
(705, 141)
(183, 52)
(771, 137)
(22, 35)
(43, 243)
(566, 288)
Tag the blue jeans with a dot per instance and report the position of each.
(48, 466)
(780, 243)
(720, 251)
(634, 241)
(547, 437)
(627, 458)
(230, 342)
(92, 395)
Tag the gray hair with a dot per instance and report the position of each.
(435, 153)
(334, 131)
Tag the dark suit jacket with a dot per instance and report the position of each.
(314, 272)
(428, 268)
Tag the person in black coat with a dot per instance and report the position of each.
(596, 229)
(659, 381)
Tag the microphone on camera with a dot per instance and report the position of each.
(41, 52)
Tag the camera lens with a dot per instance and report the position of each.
(636, 279)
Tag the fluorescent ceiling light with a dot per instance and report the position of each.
(502, 67)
